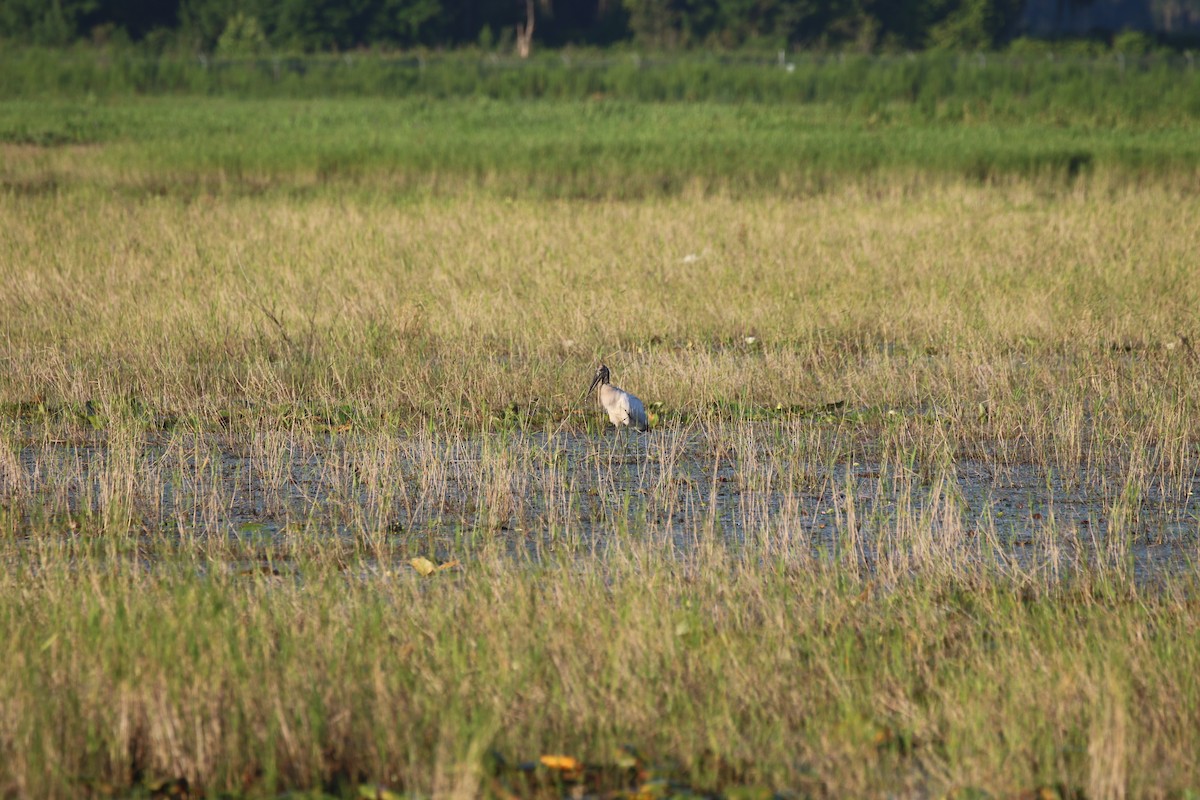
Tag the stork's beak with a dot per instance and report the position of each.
(595, 381)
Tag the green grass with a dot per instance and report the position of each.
(1104, 89)
(568, 149)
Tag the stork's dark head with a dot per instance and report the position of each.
(600, 378)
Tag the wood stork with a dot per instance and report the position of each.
(622, 407)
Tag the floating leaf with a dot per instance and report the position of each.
(423, 566)
(563, 763)
(177, 788)
(749, 793)
(627, 757)
(656, 788)
(368, 792)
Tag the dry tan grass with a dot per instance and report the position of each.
(436, 309)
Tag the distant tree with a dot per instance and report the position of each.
(203, 22)
(975, 24)
(654, 23)
(313, 25)
(525, 30)
(905, 23)
(57, 22)
(403, 21)
(322, 25)
(243, 36)
(345, 24)
(739, 21)
(671, 23)
(135, 17)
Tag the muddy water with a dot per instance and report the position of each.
(678, 486)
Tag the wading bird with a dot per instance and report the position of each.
(622, 407)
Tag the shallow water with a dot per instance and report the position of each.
(679, 486)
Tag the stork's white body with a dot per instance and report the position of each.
(622, 407)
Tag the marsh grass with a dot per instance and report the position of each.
(1057, 327)
(918, 447)
(193, 147)
(1110, 89)
(777, 669)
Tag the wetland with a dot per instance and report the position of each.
(299, 493)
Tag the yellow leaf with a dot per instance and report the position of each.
(369, 792)
(448, 565)
(564, 763)
(423, 566)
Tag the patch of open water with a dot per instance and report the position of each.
(675, 485)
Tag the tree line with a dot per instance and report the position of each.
(249, 26)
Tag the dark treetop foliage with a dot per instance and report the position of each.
(324, 25)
